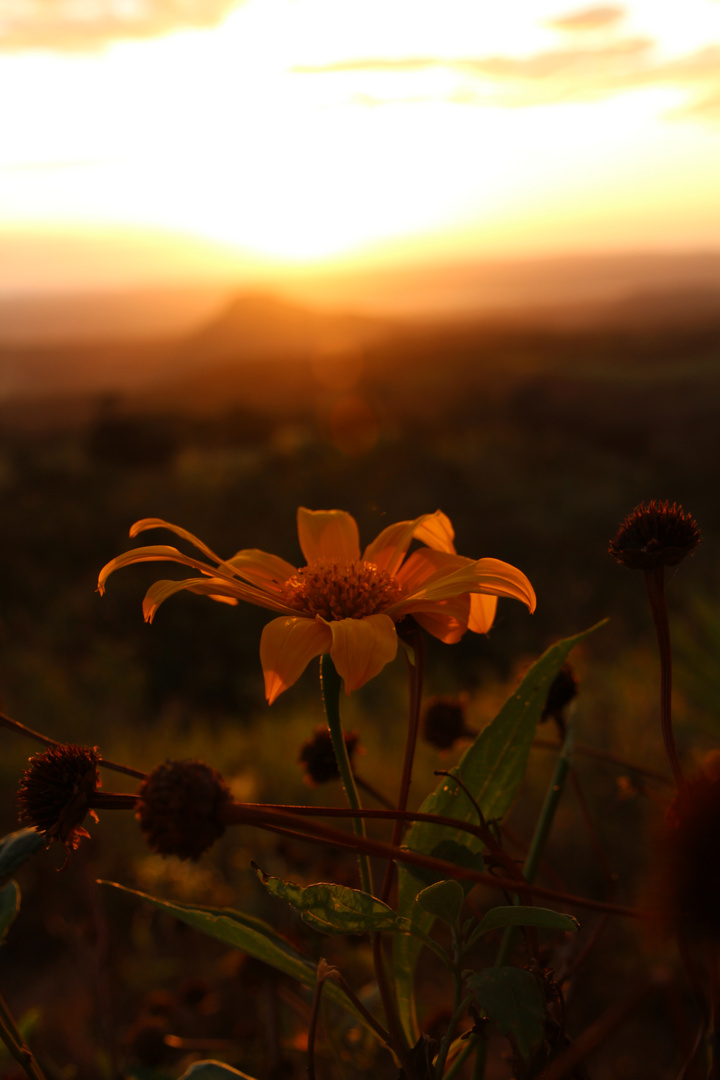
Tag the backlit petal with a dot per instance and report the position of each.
(388, 549)
(154, 553)
(483, 576)
(328, 534)
(159, 523)
(287, 646)
(261, 568)
(482, 612)
(425, 565)
(436, 531)
(362, 647)
(445, 619)
(501, 579)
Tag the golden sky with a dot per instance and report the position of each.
(297, 130)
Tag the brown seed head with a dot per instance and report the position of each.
(179, 808)
(55, 791)
(317, 756)
(443, 721)
(655, 535)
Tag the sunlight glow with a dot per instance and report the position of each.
(303, 129)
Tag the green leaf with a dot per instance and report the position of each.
(453, 852)
(512, 998)
(519, 915)
(9, 907)
(444, 900)
(16, 848)
(252, 936)
(491, 769)
(333, 909)
(213, 1070)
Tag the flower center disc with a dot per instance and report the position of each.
(336, 590)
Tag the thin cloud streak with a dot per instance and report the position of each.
(553, 76)
(595, 18)
(64, 26)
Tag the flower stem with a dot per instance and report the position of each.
(542, 831)
(655, 582)
(415, 677)
(330, 683)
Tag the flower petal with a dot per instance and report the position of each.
(328, 534)
(160, 591)
(425, 565)
(159, 523)
(483, 576)
(362, 647)
(498, 578)
(261, 568)
(287, 646)
(436, 531)
(445, 619)
(154, 553)
(388, 549)
(482, 612)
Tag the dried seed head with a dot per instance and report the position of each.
(179, 808)
(655, 535)
(443, 721)
(317, 756)
(55, 791)
(689, 888)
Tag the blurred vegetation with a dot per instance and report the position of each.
(535, 443)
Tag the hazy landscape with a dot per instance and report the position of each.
(536, 428)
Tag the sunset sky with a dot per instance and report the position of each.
(158, 137)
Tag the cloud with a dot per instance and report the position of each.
(66, 25)
(546, 65)
(553, 76)
(594, 18)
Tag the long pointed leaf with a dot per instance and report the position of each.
(491, 769)
(252, 936)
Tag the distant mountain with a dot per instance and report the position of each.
(259, 326)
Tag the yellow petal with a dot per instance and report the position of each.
(328, 534)
(287, 646)
(155, 553)
(501, 579)
(261, 568)
(482, 612)
(483, 576)
(436, 531)
(445, 619)
(388, 549)
(425, 565)
(159, 523)
(362, 647)
(160, 591)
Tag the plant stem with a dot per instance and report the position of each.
(330, 683)
(542, 831)
(459, 1007)
(22, 729)
(415, 678)
(655, 582)
(415, 675)
(15, 1043)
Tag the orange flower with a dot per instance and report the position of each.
(342, 602)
